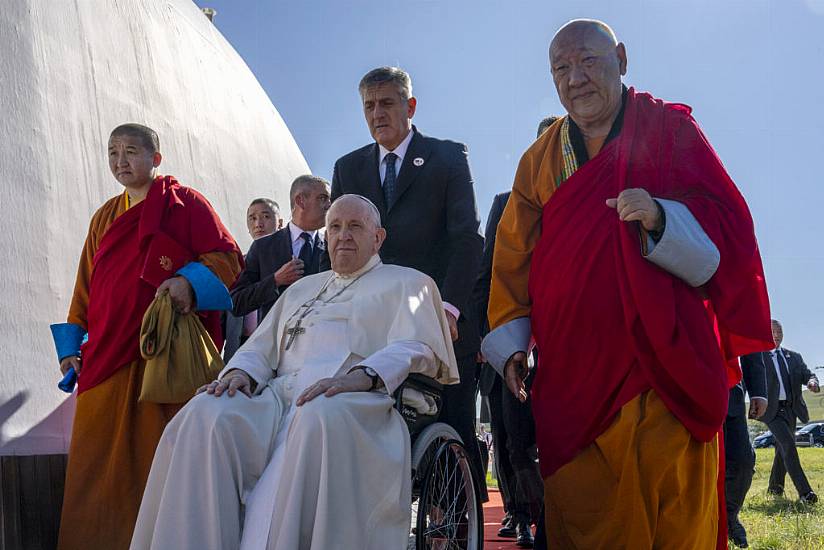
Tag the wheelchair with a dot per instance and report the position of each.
(446, 505)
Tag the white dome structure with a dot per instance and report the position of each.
(71, 72)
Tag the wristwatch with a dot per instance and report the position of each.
(370, 372)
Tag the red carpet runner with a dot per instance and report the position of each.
(493, 513)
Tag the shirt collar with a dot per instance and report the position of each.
(400, 150)
(373, 261)
(295, 232)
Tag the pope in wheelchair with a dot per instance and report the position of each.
(299, 443)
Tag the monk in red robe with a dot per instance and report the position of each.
(629, 256)
(157, 235)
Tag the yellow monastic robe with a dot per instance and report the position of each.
(113, 436)
(626, 489)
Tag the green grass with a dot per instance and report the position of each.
(779, 523)
(775, 523)
(815, 404)
(491, 482)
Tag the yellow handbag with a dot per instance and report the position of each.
(180, 355)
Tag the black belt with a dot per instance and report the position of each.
(783, 403)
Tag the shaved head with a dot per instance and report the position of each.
(587, 63)
(578, 29)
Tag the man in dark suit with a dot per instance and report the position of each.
(423, 189)
(786, 373)
(276, 261)
(513, 428)
(489, 383)
(262, 219)
(738, 451)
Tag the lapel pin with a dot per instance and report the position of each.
(418, 161)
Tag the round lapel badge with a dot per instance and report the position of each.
(418, 161)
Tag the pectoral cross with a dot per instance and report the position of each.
(294, 332)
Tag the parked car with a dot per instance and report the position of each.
(764, 440)
(811, 435)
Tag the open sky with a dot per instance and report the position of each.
(753, 71)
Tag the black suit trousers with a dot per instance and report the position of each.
(459, 412)
(786, 459)
(739, 463)
(528, 487)
(503, 468)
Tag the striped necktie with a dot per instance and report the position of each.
(305, 253)
(390, 179)
(785, 372)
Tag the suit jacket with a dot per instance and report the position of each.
(754, 382)
(255, 289)
(433, 223)
(232, 334)
(799, 376)
(482, 286)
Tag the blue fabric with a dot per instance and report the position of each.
(210, 292)
(67, 339)
(305, 253)
(68, 381)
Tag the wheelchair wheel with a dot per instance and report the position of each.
(449, 513)
(424, 446)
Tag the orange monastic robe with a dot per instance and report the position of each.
(113, 436)
(627, 489)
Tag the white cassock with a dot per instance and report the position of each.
(331, 474)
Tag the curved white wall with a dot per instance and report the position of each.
(72, 71)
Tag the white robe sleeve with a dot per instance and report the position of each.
(257, 356)
(394, 362)
(684, 249)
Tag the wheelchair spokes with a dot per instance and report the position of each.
(448, 507)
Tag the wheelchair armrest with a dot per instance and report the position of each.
(417, 381)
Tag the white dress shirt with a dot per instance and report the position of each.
(782, 392)
(297, 241)
(400, 151)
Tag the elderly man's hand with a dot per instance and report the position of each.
(356, 380)
(234, 381)
(453, 325)
(758, 406)
(515, 372)
(637, 205)
(181, 293)
(72, 361)
(813, 386)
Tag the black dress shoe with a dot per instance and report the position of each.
(775, 491)
(738, 535)
(525, 538)
(508, 530)
(809, 498)
(506, 519)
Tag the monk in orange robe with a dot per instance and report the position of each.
(157, 235)
(628, 256)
